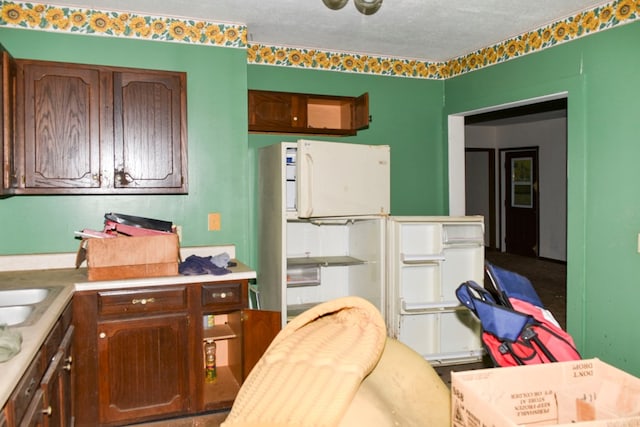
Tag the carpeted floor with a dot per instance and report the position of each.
(549, 278)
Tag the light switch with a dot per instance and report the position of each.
(214, 221)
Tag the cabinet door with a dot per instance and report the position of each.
(150, 131)
(7, 106)
(56, 385)
(64, 390)
(34, 416)
(276, 111)
(52, 404)
(142, 367)
(260, 328)
(361, 112)
(60, 110)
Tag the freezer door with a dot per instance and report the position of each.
(342, 179)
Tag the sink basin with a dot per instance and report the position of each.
(15, 315)
(12, 297)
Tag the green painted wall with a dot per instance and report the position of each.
(217, 150)
(599, 74)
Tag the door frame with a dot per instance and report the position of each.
(456, 147)
(492, 222)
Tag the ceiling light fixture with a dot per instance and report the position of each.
(366, 7)
(335, 4)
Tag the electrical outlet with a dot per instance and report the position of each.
(214, 222)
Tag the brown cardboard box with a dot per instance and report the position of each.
(132, 257)
(586, 393)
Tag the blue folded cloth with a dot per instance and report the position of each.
(196, 265)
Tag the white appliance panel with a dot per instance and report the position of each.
(442, 337)
(342, 179)
(461, 264)
(429, 257)
(419, 285)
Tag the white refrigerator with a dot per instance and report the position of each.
(324, 232)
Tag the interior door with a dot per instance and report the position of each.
(521, 202)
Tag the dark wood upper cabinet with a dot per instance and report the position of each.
(150, 124)
(8, 72)
(307, 114)
(85, 129)
(59, 145)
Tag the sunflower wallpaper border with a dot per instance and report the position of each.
(130, 25)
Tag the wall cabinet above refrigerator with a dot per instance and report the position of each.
(301, 113)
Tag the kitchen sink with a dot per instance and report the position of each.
(10, 297)
(24, 306)
(15, 315)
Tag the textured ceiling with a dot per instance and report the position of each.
(430, 30)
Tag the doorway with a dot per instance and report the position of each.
(521, 202)
(541, 192)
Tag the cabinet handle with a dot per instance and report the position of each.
(47, 411)
(29, 389)
(102, 335)
(222, 295)
(142, 301)
(121, 177)
(295, 118)
(67, 366)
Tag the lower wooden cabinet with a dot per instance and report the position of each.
(139, 351)
(3, 418)
(43, 396)
(144, 364)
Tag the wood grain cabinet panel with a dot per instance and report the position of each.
(149, 125)
(143, 367)
(8, 73)
(307, 114)
(88, 129)
(62, 129)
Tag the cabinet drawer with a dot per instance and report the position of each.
(146, 300)
(225, 294)
(27, 387)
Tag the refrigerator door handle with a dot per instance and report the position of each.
(429, 307)
(305, 188)
(421, 259)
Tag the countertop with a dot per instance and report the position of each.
(47, 271)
